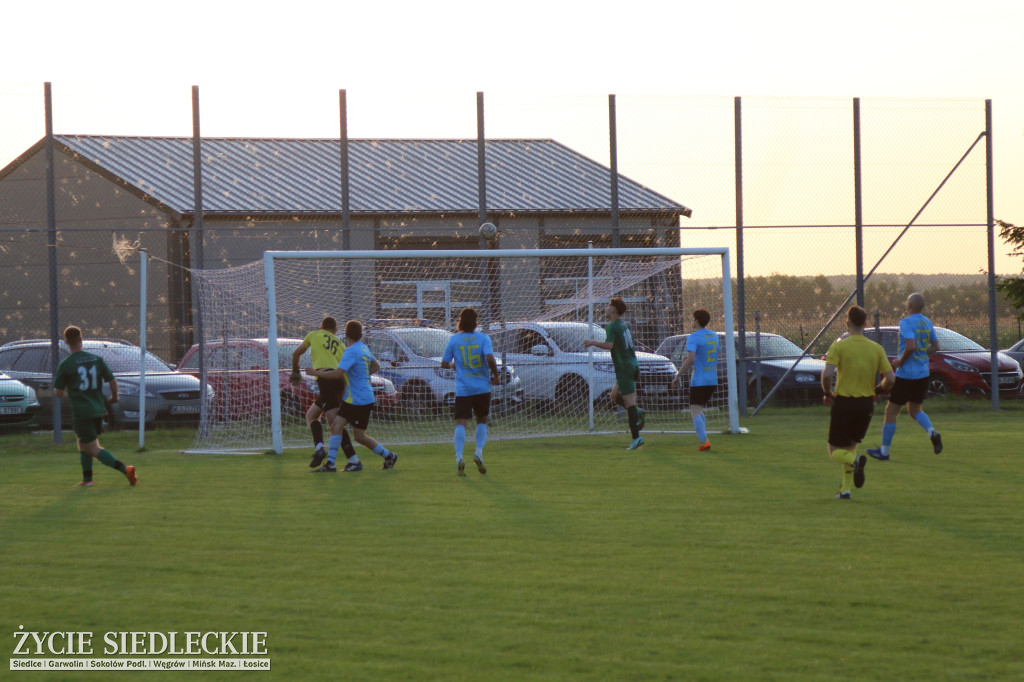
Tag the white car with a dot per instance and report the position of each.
(553, 365)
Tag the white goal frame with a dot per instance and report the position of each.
(269, 258)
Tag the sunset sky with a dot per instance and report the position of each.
(412, 68)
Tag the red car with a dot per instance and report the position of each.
(238, 370)
(961, 367)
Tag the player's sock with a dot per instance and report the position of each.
(346, 445)
(381, 450)
(844, 456)
(460, 441)
(701, 424)
(481, 438)
(353, 459)
(926, 423)
(86, 465)
(888, 433)
(332, 449)
(634, 421)
(318, 434)
(847, 477)
(107, 458)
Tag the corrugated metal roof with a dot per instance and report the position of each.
(292, 176)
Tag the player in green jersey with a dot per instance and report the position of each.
(325, 350)
(81, 376)
(619, 341)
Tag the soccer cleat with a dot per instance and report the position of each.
(843, 496)
(637, 442)
(462, 468)
(705, 447)
(84, 484)
(858, 471)
(353, 466)
(129, 473)
(479, 465)
(937, 442)
(878, 454)
(326, 468)
(390, 461)
(641, 419)
(318, 458)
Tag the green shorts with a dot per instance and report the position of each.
(87, 430)
(627, 380)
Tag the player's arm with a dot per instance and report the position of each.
(58, 392)
(691, 357)
(826, 383)
(888, 379)
(296, 377)
(603, 345)
(113, 392)
(908, 350)
(493, 364)
(933, 347)
(374, 367)
(338, 373)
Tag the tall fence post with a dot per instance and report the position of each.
(346, 207)
(143, 258)
(481, 184)
(51, 243)
(613, 163)
(858, 202)
(198, 236)
(993, 331)
(741, 305)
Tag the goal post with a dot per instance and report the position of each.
(537, 305)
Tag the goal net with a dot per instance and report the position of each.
(537, 305)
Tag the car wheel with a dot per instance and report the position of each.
(417, 401)
(571, 392)
(938, 386)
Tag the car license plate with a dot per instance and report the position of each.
(1007, 381)
(656, 389)
(184, 409)
(10, 410)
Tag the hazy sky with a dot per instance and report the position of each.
(275, 70)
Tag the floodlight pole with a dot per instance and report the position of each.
(198, 237)
(143, 258)
(613, 163)
(858, 204)
(51, 231)
(741, 295)
(993, 331)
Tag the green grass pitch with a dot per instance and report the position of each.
(570, 560)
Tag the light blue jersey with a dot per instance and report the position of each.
(356, 363)
(920, 329)
(705, 365)
(468, 350)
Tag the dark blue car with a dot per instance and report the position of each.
(777, 353)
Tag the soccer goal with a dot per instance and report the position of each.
(537, 305)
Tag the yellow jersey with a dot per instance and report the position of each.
(325, 349)
(857, 359)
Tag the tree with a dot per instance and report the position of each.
(1012, 288)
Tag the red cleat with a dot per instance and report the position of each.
(129, 473)
(83, 484)
(705, 447)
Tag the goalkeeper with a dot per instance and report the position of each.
(325, 350)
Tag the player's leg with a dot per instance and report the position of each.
(846, 429)
(88, 432)
(917, 413)
(360, 420)
(482, 410)
(463, 411)
(337, 424)
(897, 399)
(317, 430)
(699, 397)
(629, 399)
(347, 448)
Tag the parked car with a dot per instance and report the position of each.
(769, 355)
(19, 406)
(553, 365)
(961, 367)
(1016, 351)
(410, 356)
(238, 370)
(171, 397)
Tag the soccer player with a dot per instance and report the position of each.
(856, 359)
(357, 364)
(702, 355)
(467, 352)
(325, 350)
(619, 341)
(917, 342)
(81, 376)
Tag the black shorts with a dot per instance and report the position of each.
(700, 395)
(850, 420)
(357, 416)
(468, 405)
(909, 391)
(87, 430)
(331, 391)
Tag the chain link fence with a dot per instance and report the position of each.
(123, 179)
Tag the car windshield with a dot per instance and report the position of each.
(949, 340)
(570, 337)
(772, 346)
(426, 343)
(125, 359)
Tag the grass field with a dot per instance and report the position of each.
(570, 560)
